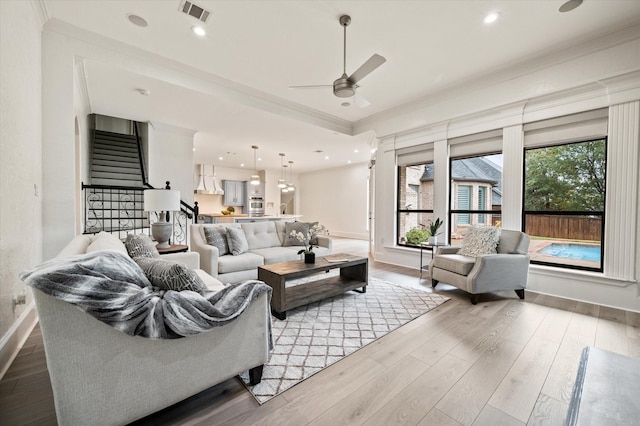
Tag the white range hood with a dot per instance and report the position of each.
(206, 181)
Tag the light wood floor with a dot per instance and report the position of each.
(501, 362)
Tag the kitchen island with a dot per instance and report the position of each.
(243, 218)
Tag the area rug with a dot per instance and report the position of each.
(322, 333)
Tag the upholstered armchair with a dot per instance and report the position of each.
(507, 269)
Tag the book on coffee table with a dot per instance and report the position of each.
(335, 259)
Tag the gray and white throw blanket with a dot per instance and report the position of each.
(111, 287)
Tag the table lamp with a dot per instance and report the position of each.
(163, 201)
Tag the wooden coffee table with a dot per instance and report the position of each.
(353, 275)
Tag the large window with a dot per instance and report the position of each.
(564, 198)
(415, 203)
(476, 193)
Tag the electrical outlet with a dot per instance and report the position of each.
(20, 299)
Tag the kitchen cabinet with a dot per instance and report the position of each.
(234, 192)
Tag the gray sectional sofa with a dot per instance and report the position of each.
(266, 241)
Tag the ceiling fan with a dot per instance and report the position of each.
(345, 86)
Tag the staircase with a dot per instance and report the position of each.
(115, 160)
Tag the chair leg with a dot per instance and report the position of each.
(474, 299)
(255, 375)
(434, 283)
(520, 293)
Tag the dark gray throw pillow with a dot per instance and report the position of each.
(140, 245)
(290, 240)
(169, 275)
(238, 243)
(217, 237)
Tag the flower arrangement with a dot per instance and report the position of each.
(306, 239)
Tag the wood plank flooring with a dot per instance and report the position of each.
(502, 362)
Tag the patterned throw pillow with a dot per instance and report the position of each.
(314, 238)
(294, 226)
(217, 237)
(170, 275)
(140, 245)
(480, 240)
(238, 243)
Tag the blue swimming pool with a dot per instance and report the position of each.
(572, 251)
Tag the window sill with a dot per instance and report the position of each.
(592, 277)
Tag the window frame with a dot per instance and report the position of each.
(601, 214)
(400, 211)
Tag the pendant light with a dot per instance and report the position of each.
(290, 186)
(281, 181)
(284, 188)
(255, 178)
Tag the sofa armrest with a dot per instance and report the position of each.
(497, 272)
(324, 241)
(447, 250)
(208, 254)
(191, 259)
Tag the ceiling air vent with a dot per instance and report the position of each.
(194, 10)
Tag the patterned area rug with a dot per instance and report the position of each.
(320, 334)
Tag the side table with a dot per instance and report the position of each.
(174, 248)
(433, 247)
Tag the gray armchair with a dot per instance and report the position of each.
(506, 270)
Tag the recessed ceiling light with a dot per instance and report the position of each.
(220, 158)
(345, 104)
(199, 31)
(137, 20)
(355, 150)
(318, 151)
(326, 157)
(242, 165)
(349, 162)
(144, 92)
(570, 5)
(491, 17)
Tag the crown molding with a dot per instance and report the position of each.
(177, 73)
(41, 11)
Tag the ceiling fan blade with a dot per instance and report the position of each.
(360, 101)
(314, 86)
(365, 69)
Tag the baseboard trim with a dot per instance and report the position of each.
(12, 342)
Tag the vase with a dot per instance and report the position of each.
(433, 240)
(310, 257)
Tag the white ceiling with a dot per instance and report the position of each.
(263, 47)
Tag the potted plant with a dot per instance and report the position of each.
(434, 231)
(416, 235)
(309, 255)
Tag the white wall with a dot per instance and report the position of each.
(20, 167)
(171, 158)
(337, 198)
(609, 78)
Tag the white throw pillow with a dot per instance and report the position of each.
(480, 240)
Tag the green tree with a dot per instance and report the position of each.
(566, 177)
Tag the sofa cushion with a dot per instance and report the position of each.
(217, 236)
(261, 235)
(456, 263)
(480, 240)
(289, 227)
(237, 241)
(277, 254)
(140, 245)
(169, 275)
(106, 241)
(240, 262)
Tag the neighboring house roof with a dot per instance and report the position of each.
(475, 169)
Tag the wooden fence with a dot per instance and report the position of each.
(565, 227)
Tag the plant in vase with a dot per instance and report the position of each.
(309, 255)
(434, 231)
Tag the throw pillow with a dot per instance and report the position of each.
(217, 237)
(480, 240)
(140, 245)
(237, 241)
(169, 275)
(298, 227)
